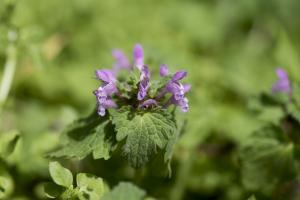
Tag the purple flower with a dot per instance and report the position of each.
(104, 93)
(177, 89)
(121, 61)
(144, 82)
(104, 101)
(182, 102)
(283, 83)
(138, 56)
(164, 71)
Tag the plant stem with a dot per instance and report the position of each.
(9, 67)
(177, 192)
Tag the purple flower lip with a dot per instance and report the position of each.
(283, 82)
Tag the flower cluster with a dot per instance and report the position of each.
(283, 83)
(170, 93)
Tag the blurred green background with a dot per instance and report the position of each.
(230, 49)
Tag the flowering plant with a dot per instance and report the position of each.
(132, 113)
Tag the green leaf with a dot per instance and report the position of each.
(60, 175)
(252, 198)
(8, 142)
(86, 136)
(144, 131)
(271, 114)
(125, 191)
(294, 111)
(6, 184)
(91, 186)
(266, 160)
(52, 190)
(70, 194)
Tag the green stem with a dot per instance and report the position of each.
(9, 68)
(177, 192)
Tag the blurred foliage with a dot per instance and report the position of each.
(230, 49)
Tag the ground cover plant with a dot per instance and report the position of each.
(150, 99)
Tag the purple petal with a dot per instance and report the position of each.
(138, 55)
(110, 88)
(105, 75)
(101, 110)
(182, 103)
(186, 88)
(148, 103)
(177, 89)
(179, 75)
(100, 95)
(144, 82)
(283, 83)
(109, 104)
(164, 71)
(121, 60)
(281, 73)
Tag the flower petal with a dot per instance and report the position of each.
(144, 82)
(164, 71)
(283, 83)
(109, 103)
(121, 60)
(105, 75)
(186, 88)
(138, 56)
(179, 75)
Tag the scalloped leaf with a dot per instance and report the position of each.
(144, 133)
(86, 136)
(266, 160)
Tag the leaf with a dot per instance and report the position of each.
(8, 142)
(252, 198)
(86, 136)
(70, 194)
(52, 190)
(125, 191)
(266, 160)
(294, 111)
(144, 131)
(271, 114)
(91, 186)
(6, 184)
(60, 175)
